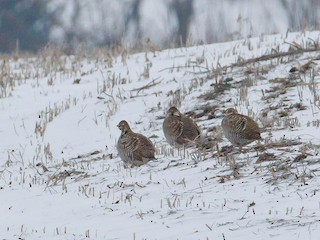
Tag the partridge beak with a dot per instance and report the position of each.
(177, 114)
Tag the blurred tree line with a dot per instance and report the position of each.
(24, 24)
(31, 24)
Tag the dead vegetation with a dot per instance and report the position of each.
(277, 160)
(240, 76)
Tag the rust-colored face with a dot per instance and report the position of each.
(123, 126)
(173, 111)
(230, 111)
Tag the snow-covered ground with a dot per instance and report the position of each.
(61, 177)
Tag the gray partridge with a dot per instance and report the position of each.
(134, 148)
(239, 129)
(179, 129)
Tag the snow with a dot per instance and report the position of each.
(184, 194)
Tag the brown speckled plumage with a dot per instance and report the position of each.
(179, 129)
(134, 148)
(239, 129)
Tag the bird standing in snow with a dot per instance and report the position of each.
(179, 129)
(239, 129)
(134, 148)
